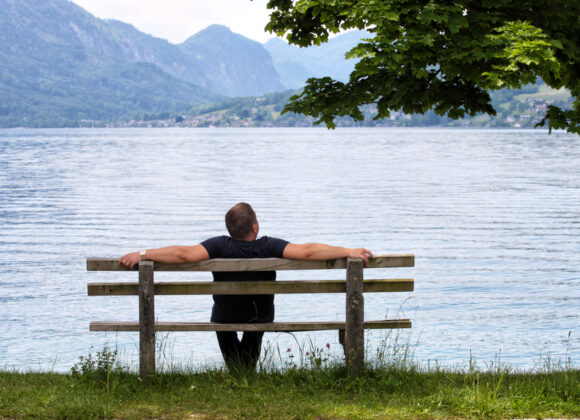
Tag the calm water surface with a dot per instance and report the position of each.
(492, 216)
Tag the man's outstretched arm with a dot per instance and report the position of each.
(315, 251)
(169, 254)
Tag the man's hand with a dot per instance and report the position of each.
(362, 253)
(130, 260)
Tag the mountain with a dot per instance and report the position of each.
(221, 50)
(60, 65)
(215, 58)
(295, 65)
(137, 46)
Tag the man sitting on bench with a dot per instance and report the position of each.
(243, 242)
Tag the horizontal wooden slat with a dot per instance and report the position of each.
(274, 326)
(249, 288)
(255, 264)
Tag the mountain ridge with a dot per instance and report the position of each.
(60, 64)
(233, 50)
(295, 64)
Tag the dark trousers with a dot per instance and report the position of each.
(240, 354)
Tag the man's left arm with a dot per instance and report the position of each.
(316, 251)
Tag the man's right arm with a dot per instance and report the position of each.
(316, 251)
(170, 254)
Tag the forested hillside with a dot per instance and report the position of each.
(61, 66)
(521, 108)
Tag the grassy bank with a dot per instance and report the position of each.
(97, 390)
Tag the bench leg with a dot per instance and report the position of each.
(146, 321)
(354, 335)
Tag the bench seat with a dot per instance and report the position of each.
(271, 326)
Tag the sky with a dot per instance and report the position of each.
(177, 20)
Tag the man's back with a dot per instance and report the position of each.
(244, 308)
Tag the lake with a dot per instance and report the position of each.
(493, 217)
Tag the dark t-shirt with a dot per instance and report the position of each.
(244, 308)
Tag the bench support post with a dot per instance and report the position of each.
(354, 335)
(146, 321)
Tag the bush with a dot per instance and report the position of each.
(102, 368)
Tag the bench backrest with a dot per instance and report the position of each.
(255, 264)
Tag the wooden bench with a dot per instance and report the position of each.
(351, 331)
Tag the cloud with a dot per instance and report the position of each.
(177, 20)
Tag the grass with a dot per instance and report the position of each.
(313, 387)
(300, 393)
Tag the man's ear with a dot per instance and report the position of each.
(255, 229)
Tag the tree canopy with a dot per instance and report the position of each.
(444, 55)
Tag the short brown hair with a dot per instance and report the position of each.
(239, 220)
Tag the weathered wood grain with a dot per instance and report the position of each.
(255, 264)
(146, 320)
(273, 326)
(355, 314)
(254, 287)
